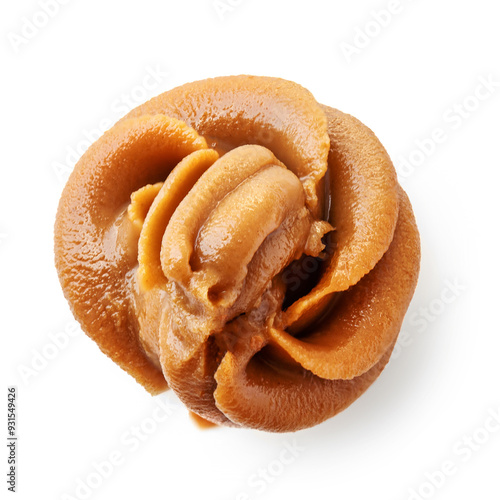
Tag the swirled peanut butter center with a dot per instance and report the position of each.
(238, 225)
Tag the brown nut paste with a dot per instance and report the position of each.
(238, 242)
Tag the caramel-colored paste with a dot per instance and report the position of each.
(249, 248)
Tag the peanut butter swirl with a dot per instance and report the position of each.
(249, 248)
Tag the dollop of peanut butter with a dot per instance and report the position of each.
(249, 248)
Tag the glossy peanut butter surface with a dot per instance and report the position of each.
(238, 242)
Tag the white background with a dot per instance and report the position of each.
(74, 74)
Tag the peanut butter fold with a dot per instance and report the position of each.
(249, 248)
